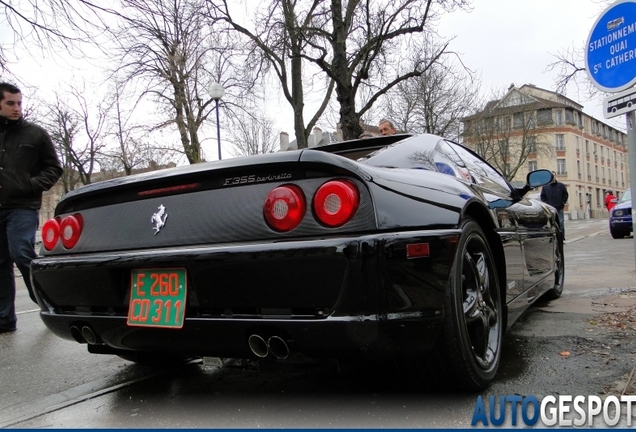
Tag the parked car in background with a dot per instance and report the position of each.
(620, 220)
(410, 249)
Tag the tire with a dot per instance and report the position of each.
(153, 359)
(559, 273)
(617, 234)
(467, 353)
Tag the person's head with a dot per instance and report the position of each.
(386, 127)
(10, 101)
(554, 180)
(609, 192)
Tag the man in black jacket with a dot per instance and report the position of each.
(556, 194)
(28, 167)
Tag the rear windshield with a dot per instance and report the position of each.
(415, 152)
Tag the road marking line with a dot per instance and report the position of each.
(27, 311)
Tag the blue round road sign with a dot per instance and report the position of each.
(610, 53)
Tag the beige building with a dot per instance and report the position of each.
(547, 130)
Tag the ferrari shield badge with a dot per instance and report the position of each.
(158, 219)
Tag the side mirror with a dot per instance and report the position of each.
(539, 178)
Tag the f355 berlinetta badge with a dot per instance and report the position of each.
(159, 219)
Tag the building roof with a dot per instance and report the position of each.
(526, 98)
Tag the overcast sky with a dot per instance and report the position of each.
(503, 41)
(514, 41)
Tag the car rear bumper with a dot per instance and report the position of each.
(335, 297)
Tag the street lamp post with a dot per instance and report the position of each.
(216, 92)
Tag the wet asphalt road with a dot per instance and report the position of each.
(49, 382)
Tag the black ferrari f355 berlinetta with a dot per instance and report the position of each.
(405, 248)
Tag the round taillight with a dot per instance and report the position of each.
(50, 234)
(336, 202)
(284, 208)
(70, 230)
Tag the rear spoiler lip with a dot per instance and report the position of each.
(187, 170)
(299, 159)
(292, 165)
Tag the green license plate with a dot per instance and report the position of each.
(157, 298)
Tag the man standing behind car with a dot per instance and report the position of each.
(386, 127)
(556, 194)
(28, 167)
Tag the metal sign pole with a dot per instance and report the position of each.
(630, 117)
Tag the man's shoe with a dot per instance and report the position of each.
(7, 330)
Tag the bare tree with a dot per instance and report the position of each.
(434, 102)
(279, 38)
(378, 45)
(569, 62)
(253, 134)
(355, 44)
(52, 24)
(77, 130)
(507, 136)
(64, 126)
(130, 149)
(169, 49)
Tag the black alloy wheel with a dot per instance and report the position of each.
(470, 348)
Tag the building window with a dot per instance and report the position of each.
(578, 168)
(560, 142)
(507, 123)
(587, 147)
(544, 116)
(561, 166)
(532, 166)
(577, 144)
(532, 144)
(559, 117)
(598, 197)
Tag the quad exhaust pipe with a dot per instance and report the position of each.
(275, 345)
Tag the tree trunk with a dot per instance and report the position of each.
(349, 120)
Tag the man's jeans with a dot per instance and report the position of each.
(17, 245)
(562, 221)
